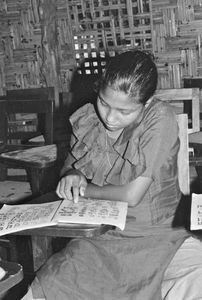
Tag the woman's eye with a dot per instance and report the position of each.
(102, 102)
(126, 112)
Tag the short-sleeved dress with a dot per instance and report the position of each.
(125, 264)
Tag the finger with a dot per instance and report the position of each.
(66, 190)
(82, 191)
(58, 190)
(63, 191)
(75, 190)
(83, 185)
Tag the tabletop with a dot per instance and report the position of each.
(36, 157)
(63, 230)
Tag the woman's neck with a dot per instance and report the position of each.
(114, 134)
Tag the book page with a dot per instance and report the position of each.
(92, 211)
(196, 212)
(15, 218)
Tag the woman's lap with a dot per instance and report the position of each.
(183, 277)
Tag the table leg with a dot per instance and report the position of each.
(41, 250)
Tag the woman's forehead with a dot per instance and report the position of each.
(118, 99)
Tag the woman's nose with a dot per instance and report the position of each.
(110, 116)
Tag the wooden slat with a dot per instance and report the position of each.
(183, 155)
(24, 106)
(195, 111)
(180, 95)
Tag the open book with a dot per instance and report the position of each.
(196, 212)
(19, 217)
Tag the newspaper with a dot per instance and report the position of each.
(15, 218)
(19, 217)
(91, 211)
(196, 212)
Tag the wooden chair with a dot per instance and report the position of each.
(194, 82)
(44, 127)
(177, 98)
(55, 129)
(13, 153)
(183, 155)
(17, 153)
(31, 94)
(17, 132)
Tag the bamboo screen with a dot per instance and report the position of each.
(107, 27)
(43, 41)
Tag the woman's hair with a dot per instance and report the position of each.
(133, 73)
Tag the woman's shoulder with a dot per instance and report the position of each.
(86, 126)
(84, 116)
(160, 117)
(160, 109)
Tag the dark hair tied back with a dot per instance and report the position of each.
(132, 72)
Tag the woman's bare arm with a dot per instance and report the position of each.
(132, 193)
(74, 184)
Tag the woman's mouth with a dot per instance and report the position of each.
(111, 127)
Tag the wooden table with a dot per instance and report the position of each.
(41, 238)
(38, 161)
(68, 231)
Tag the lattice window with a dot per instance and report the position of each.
(106, 27)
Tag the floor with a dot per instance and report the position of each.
(14, 190)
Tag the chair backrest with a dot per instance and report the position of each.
(183, 155)
(178, 97)
(31, 94)
(36, 94)
(15, 130)
(172, 96)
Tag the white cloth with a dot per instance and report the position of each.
(29, 295)
(183, 277)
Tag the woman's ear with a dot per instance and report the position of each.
(149, 101)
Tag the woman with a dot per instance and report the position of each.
(125, 149)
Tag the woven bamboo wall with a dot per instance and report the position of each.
(43, 41)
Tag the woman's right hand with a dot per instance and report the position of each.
(72, 185)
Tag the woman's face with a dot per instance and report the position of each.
(117, 110)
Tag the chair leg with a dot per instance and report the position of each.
(35, 177)
(9, 244)
(3, 172)
(42, 180)
(199, 173)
